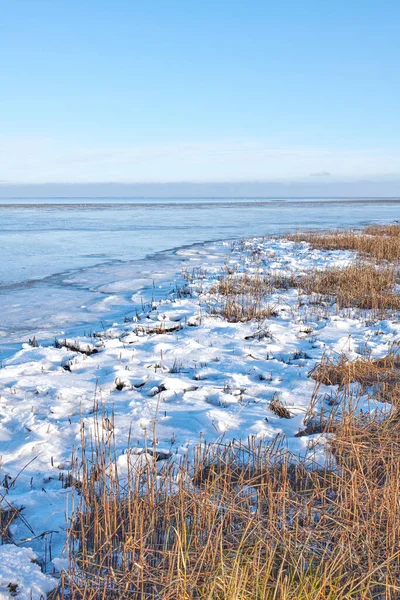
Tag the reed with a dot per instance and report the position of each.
(379, 376)
(241, 521)
(359, 285)
(379, 242)
(241, 298)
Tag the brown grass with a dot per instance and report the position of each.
(277, 407)
(242, 522)
(242, 309)
(359, 285)
(75, 346)
(8, 514)
(257, 284)
(392, 230)
(236, 301)
(158, 327)
(381, 375)
(242, 297)
(379, 242)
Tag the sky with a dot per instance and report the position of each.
(199, 91)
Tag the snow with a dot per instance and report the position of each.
(21, 577)
(172, 366)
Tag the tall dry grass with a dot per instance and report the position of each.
(241, 521)
(380, 242)
(390, 229)
(359, 285)
(379, 376)
(242, 297)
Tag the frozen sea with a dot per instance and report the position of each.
(69, 265)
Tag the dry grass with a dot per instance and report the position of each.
(359, 285)
(8, 514)
(257, 284)
(75, 346)
(158, 327)
(392, 230)
(379, 242)
(381, 376)
(242, 297)
(278, 408)
(242, 309)
(242, 522)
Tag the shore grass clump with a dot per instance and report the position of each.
(158, 327)
(359, 285)
(241, 309)
(76, 346)
(368, 283)
(391, 229)
(258, 284)
(242, 297)
(381, 375)
(379, 242)
(241, 521)
(278, 408)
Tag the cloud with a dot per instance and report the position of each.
(317, 188)
(40, 160)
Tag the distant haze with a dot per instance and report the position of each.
(256, 189)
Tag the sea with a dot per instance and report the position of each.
(71, 265)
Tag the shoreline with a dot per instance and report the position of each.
(185, 365)
(64, 281)
(60, 280)
(75, 238)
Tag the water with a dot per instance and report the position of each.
(73, 263)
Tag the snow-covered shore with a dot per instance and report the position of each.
(175, 368)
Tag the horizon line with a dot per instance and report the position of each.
(308, 197)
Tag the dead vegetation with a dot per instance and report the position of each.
(76, 346)
(243, 297)
(368, 283)
(8, 514)
(254, 284)
(240, 300)
(241, 309)
(158, 327)
(380, 375)
(381, 242)
(242, 522)
(359, 285)
(278, 408)
(390, 229)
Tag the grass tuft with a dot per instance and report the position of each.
(358, 285)
(241, 521)
(381, 375)
(379, 242)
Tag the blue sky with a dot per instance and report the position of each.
(126, 90)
